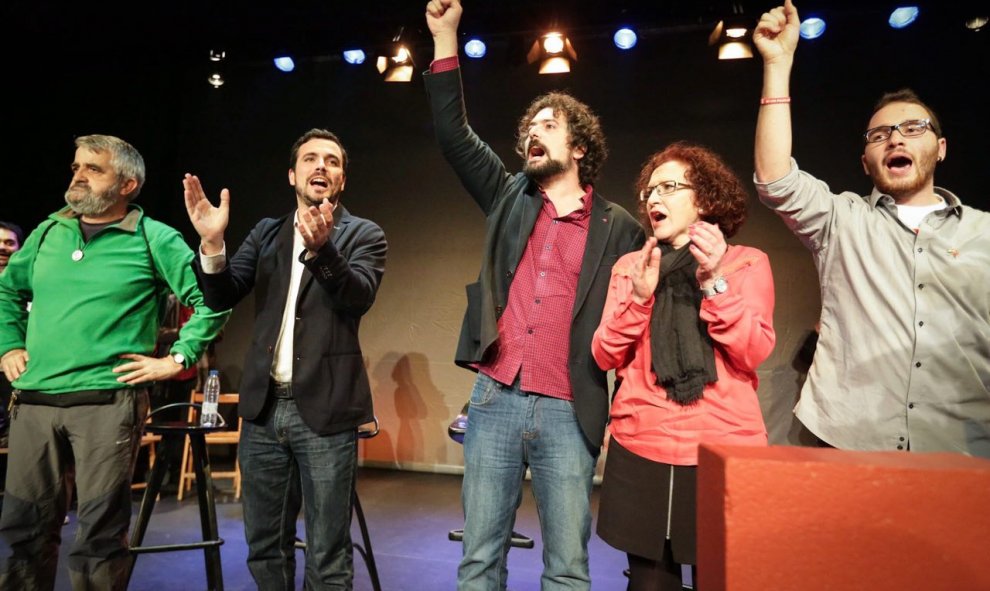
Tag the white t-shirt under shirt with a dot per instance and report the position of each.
(911, 215)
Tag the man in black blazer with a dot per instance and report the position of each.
(540, 400)
(304, 390)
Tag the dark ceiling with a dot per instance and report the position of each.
(184, 29)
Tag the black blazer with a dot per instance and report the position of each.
(511, 203)
(329, 379)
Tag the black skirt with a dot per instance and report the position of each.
(633, 509)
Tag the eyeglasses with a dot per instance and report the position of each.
(909, 128)
(662, 189)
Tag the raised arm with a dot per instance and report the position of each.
(477, 166)
(776, 38)
(210, 222)
(443, 18)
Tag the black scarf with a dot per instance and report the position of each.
(683, 358)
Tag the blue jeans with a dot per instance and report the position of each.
(286, 466)
(508, 430)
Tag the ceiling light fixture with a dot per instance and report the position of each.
(554, 52)
(732, 36)
(396, 65)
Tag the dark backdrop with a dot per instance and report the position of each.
(150, 89)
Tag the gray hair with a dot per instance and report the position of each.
(126, 161)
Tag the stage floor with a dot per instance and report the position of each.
(409, 515)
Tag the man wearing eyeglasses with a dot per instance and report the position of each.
(903, 358)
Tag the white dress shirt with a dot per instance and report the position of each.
(282, 364)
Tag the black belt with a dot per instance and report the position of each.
(280, 389)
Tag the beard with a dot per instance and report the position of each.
(547, 169)
(83, 201)
(924, 170)
(303, 196)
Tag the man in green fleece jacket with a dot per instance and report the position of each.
(95, 274)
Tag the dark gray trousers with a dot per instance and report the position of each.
(51, 448)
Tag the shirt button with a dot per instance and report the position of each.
(901, 438)
(921, 286)
(900, 447)
(508, 273)
(537, 300)
(921, 323)
(547, 247)
(911, 405)
(920, 249)
(529, 331)
(918, 364)
(543, 273)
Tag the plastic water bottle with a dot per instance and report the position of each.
(211, 399)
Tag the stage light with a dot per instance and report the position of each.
(354, 56)
(475, 48)
(732, 39)
(396, 65)
(285, 63)
(625, 38)
(812, 28)
(903, 16)
(217, 55)
(976, 23)
(554, 52)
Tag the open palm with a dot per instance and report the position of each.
(209, 221)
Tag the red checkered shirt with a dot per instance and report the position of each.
(535, 331)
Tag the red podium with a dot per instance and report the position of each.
(813, 519)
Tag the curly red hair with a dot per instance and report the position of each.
(717, 189)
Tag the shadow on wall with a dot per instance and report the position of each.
(404, 380)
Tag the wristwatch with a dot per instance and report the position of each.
(179, 358)
(720, 286)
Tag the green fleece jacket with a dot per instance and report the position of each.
(91, 302)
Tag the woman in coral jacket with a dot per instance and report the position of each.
(688, 320)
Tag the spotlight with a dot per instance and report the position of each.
(397, 63)
(354, 56)
(217, 55)
(554, 52)
(625, 38)
(215, 80)
(812, 28)
(475, 48)
(285, 63)
(903, 16)
(732, 39)
(976, 23)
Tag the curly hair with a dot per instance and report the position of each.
(717, 189)
(583, 128)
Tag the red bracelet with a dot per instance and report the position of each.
(775, 100)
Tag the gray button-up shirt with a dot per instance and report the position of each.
(903, 360)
